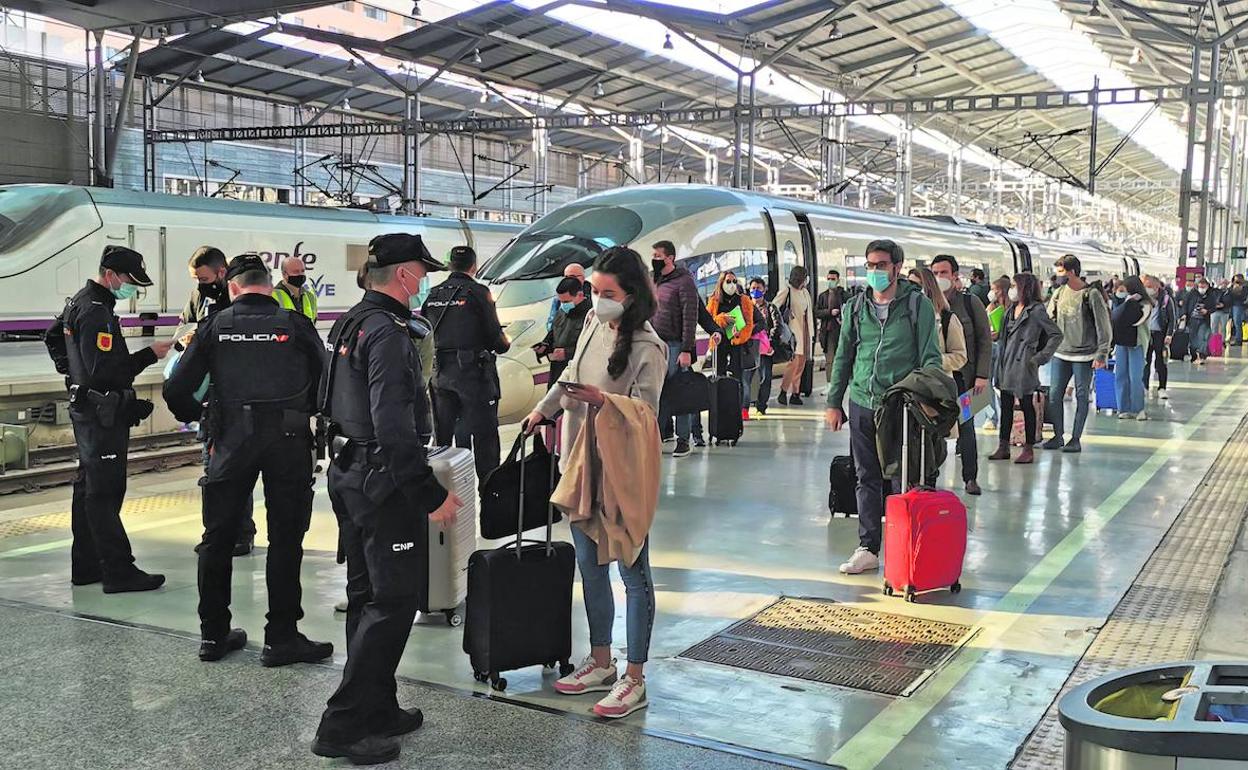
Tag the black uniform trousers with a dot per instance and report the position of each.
(465, 410)
(385, 544)
(284, 462)
(101, 548)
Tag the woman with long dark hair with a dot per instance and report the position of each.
(1129, 320)
(618, 354)
(1028, 340)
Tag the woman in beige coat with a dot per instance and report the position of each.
(800, 315)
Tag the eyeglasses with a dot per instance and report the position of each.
(879, 265)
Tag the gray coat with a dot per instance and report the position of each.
(1027, 343)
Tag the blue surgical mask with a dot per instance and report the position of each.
(567, 306)
(422, 293)
(879, 280)
(756, 293)
(125, 291)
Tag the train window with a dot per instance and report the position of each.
(37, 222)
(572, 234)
(706, 268)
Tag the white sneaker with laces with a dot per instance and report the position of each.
(862, 561)
(1161, 393)
(588, 678)
(1126, 415)
(628, 695)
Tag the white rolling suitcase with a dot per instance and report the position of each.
(449, 549)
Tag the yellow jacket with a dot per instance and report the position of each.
(610, 485)
(307, 300)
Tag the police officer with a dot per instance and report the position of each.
(265, 366)
(210, 296)
(103, 408)
(380, 484)
(466, 335)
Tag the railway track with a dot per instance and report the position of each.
(52, 466)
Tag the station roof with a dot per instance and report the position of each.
(175, 17)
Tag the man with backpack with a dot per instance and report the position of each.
(1083, 317)
(889, 331)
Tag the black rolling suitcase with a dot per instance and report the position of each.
(842, 486)
(519, 610)
(1180, 345)
(808, 379)
(725, 426)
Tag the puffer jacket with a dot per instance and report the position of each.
(676, 318)
(1027, 343)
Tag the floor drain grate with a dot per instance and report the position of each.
(822, 641)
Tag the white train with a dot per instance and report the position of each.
(716, 229)
(51, 238)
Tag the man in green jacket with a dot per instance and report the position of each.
(888, 332)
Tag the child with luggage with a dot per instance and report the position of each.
(1028, 340)
(618, 354)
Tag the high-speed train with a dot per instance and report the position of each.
(716, 229)
(51, 238)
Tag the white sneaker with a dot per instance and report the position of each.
(1126, 415)
(1161, 393)
(628, 695)
(990, 425)
(862, 561)
(588, 678)
(1142, 416)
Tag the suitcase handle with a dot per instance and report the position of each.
(550, 507)
(905, 450)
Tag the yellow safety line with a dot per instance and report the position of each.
(872, 744)
(52, 545)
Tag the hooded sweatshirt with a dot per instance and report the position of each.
(1083, 320)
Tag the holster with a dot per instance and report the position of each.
(107, 406)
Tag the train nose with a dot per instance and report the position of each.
(520, 392)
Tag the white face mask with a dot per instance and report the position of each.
(943, 284)
(730, 288)
(1121, 294)
(992, 295)
(1013, 294)
(1152, 293)
(607, 310)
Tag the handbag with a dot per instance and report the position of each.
(783, 342)
(500, 491)
(686, 392)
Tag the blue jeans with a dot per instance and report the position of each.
(1060, 375)
(870, 491)
(1129, 378)
(1237, 320)
(600, 601)
(994, 400)
(1199, 332)
(683, 421)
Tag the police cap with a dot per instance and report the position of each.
(396, 248)
(462, 257)
(245, 263)
(121, 259)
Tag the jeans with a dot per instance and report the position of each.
(682, 420)
(600, 601)
(1061, 373)
(870, 491)
(1219, 319)
(1199, 333)
(1237, 323)
(764, 381)
(1129, 378)
(1157, 351)
(1027, 403)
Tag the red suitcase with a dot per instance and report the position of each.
(924, 536)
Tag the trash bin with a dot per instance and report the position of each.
(1191, 715)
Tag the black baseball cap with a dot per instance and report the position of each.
(245, 263)
(396, 248)
(121, 259)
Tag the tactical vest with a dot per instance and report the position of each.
(257, 363)
(344, 397)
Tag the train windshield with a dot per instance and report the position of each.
(573, 234)
(39, 221)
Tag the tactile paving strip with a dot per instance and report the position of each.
(138, 509)
(1163, 614)
(822, 641)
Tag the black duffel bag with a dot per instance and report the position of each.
(686, 392)
(500, 492)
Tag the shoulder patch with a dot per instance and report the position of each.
(104, 341)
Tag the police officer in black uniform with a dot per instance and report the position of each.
(467, 336)
(87, 345)
(265, 367)
(380, 484)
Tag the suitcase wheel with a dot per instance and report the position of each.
(453, 618)
(480, 676)
(910, 594)
(956, 588)
(888, 589)
(566, 667)
(497, 683)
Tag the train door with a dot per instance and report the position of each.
(786, 247)
(810, 253)
(1022, 256)
(150, 242)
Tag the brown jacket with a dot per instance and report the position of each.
(610, 485)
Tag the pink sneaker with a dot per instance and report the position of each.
(588, 678)
(627, 696)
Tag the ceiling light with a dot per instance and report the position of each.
(484, 96)
(619, 155)
(1095, 10)
(667, 41)
(834, 31)
(415, 8)
(1137, 55)
(680, 166)
(346, 103)
(914, 70)
(199, 76)
(351, 65)
(476, 56)
(599, 91)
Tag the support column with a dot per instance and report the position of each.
(417, 152)
(100, 174)
(840, 157)
(738, 133)
(149, 147)
(711, 170)
(1204, 223)
(904, 175)
(123, 105)
(301, 158)
(864, 195)
(582, 177)
(541, 168)
(749, 182)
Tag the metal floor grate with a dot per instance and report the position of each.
(822, 641)
(1163, 613)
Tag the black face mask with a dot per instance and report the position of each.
(297, 280)
(659, 265)
(211, 290)
(1061, 280)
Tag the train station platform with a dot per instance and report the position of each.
(1077, 565)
